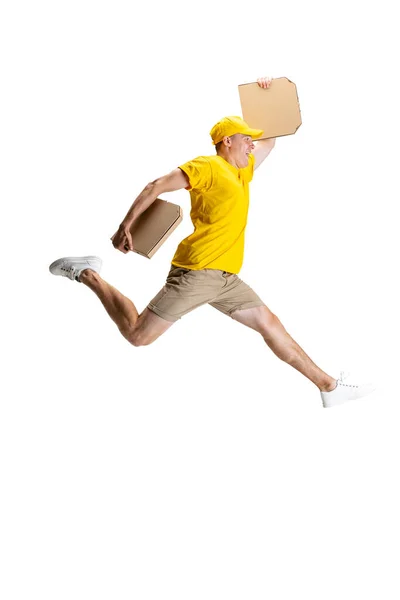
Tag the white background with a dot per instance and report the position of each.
(200, 466)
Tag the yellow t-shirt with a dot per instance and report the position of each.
(219, 194)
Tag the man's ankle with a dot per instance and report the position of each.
(329, 386)
(87, 274)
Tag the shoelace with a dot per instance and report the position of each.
(342, 377)
(69, 271)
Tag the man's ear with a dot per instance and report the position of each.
(227, 140)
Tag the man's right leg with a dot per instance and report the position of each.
(139, 330)
(184, 290)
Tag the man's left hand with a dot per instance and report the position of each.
(264, 82)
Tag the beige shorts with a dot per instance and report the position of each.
(186, 289)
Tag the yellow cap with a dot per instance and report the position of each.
(231, 125)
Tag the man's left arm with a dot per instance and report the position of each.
(261, 150)
(263, 147)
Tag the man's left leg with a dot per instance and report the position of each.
(262, 320)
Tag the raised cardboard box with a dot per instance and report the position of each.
(276, 110)
(154, 226)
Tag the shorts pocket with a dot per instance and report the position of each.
(176, 272)
(195, 276)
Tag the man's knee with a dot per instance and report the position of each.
(147, 329)
(272, 327)
(139, 338)
(271, 320)
(268, 324)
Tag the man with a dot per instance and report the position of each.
(205, 265)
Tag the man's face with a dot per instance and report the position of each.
(241, 146)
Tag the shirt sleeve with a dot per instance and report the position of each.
(199, 173)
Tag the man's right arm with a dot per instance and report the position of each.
(176, 180)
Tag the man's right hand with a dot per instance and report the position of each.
(176, 180)
(122, 239)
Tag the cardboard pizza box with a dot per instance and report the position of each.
(276, 110)
(150, 230)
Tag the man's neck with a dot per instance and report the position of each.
(228, 159)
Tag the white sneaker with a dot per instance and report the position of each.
(72, 266)
(344, 392)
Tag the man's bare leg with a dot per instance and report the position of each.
(262, 320)
(139, 330)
